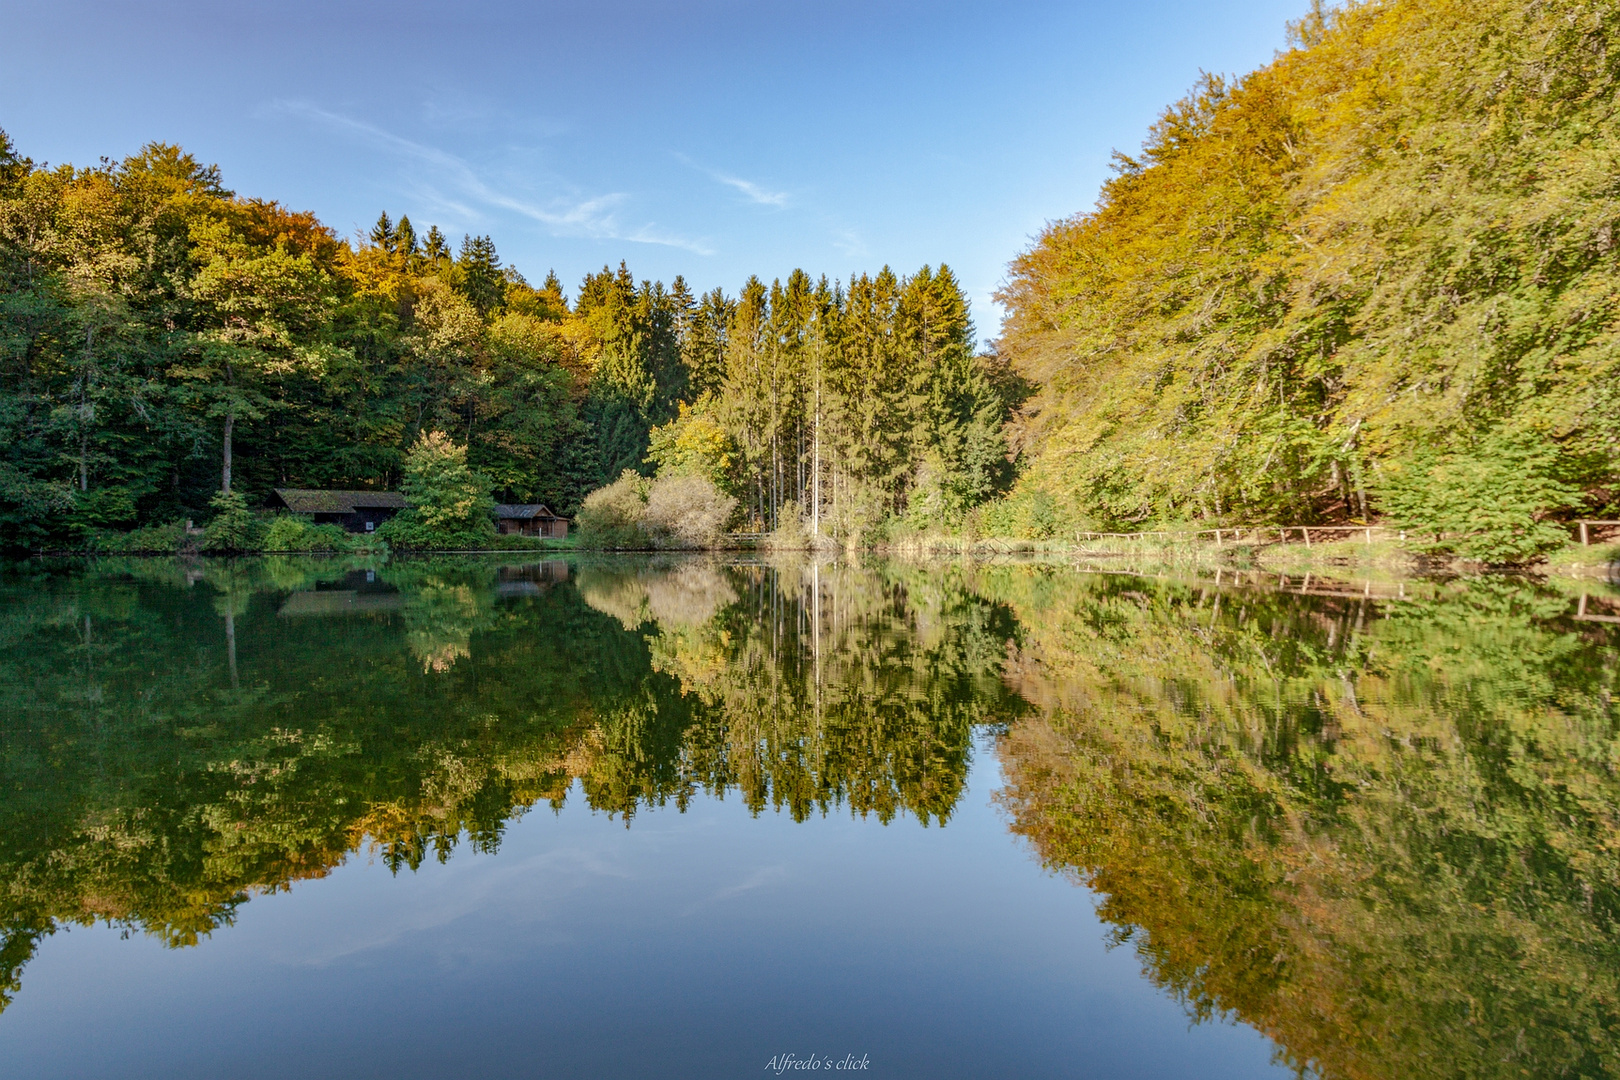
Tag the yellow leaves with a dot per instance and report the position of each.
(527, 340)
(694, 442)
(447, 326)
(1332, 231)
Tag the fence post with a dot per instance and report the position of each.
(1369, 538)
(1583, 534)
(1306, 531)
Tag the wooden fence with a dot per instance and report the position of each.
(1283, 534)
(1253, 534)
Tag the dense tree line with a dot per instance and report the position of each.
(163, 340)
(1375, 276)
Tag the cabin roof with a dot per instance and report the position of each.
(306, 501)
(522, 511)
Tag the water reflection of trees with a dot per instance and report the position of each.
(174, 738)
(1386, 835)
(814, 685)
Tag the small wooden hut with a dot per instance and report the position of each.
(356, 511)
(529, 519)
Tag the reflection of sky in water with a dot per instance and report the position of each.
(696, 944)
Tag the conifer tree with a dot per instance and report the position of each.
(382, 233)
(405, 237)
(435, 249)
(481, 280)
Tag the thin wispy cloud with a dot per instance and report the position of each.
(592, 217)
(759, 879)
(753, 191)
(850, 243)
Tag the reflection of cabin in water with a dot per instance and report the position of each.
(356, 593)
(531, 580)
(529, 519)
(356, 511)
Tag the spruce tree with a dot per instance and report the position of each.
(435, 248)
(481, 280)
(382, 233)
(404, 237)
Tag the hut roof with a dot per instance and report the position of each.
(305, 501)
(522, 511)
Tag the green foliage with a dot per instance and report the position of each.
(1488, 501)
(291, 533)
(170, 539)
(449, 504)
(103, 508)
(233, 526)
(162, 338)
(695, 444)
(1321, 283)
(863, 407)
(480, 279)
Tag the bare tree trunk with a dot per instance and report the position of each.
(84, 412)
(225, 457)
(815, 474)
(230, 429)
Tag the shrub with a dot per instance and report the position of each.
(449, 503)
(101, 509)
(232, 528)
(686, 511)
(1491, 498)
(289, 532)
(168, 539)
(612, 516)
(677, 510)
(791, 533)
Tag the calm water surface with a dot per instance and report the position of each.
(681, 818)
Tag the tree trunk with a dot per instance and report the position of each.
(84, 414)
(815, 483)
(230, 429)
(225, 459)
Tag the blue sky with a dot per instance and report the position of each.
(713, 139)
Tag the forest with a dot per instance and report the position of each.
(165, 341)
(1373, 280)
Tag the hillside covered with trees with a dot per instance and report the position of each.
(1376, 277)
(163, 339)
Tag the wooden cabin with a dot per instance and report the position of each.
(529, 519)
(356, 511)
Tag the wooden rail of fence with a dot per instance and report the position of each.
(1268, 534)
(1585, 533)
(1282, 533)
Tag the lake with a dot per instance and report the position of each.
(683, 817)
